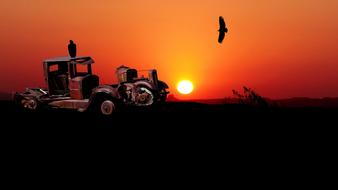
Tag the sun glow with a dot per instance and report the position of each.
(185, 87)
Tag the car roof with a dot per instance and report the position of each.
(76, 60)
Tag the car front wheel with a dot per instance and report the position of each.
(107, 107)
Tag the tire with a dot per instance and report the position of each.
(146, 96)
(106, 107)
(27, 103)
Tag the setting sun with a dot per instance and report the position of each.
(185, 87)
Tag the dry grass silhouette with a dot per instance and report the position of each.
(250, 97)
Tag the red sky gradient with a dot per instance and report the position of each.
(280, 48)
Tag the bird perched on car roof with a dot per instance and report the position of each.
(72, 49)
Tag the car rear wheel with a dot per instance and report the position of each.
(31, 104)
(27, 103)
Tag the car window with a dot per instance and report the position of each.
(53, 68)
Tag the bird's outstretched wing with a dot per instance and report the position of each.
(221, 23)
(221, 37)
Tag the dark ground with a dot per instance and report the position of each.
(190, 143)
(183, 124)
(185, 133)
(183, 139)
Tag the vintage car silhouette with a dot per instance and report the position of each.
(72, 85)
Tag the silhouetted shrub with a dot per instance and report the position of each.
(250, 97)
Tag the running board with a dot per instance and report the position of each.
(80, 105)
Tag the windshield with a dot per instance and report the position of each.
(143, 74)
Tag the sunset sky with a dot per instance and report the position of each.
(280, 48)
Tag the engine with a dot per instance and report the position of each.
(136, 95)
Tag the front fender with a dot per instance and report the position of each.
(103, 91)
(146, 84)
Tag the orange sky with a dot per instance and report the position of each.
(281, 48)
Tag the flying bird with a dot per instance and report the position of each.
(222, 30)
